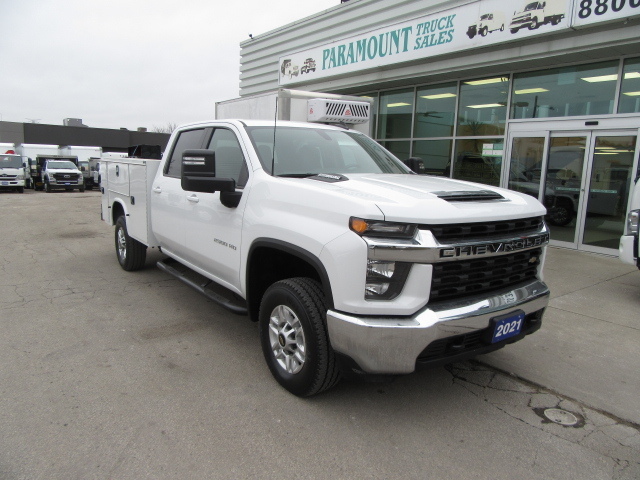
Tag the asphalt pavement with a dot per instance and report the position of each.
(111, 374)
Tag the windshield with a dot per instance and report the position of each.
(531, 6)
(302, 152)
(10, 161)
(61, 164)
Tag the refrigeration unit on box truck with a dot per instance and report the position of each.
(350, 262)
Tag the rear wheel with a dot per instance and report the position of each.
(130, 252)
(294, 337)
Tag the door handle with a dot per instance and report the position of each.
(157, 190)
(193, 199)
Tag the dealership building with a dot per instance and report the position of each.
(539, 97)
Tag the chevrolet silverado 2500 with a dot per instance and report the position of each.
(349, 261)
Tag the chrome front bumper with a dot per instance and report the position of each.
(387, 345)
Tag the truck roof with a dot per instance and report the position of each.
(262, 123)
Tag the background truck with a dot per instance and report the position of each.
(350, 263)
(11, 172)
(534, 14)
(629, 242)
(84, 155)
(30, 153)
(58, 172)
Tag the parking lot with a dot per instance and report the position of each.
(110, 374)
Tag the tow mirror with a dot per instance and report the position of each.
(416, 164)
(199, 175)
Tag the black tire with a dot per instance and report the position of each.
(534, 23)
(292, 315)
(82, 189)
(484, 31)
(560, 215)
(131, 253)
(20, 189)
(47, 186)
(514, 30)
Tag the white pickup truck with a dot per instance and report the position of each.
(350, 262)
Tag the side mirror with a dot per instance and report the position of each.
(199, 175)
(416, 164)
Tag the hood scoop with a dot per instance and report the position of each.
(469, 196)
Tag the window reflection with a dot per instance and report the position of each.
(564, 92)
(630, 92)
(479, 160)
(483, 107)
(435, 111)
(395, 114)
(526, 165)
(436, 156)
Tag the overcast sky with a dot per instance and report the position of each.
(129, 63)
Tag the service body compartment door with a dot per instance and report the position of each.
(118, 176)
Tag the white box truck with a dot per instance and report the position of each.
(30, 153)
(350, 262)
(11, 172)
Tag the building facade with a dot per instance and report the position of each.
(539, 97)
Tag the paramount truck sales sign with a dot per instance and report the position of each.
(470, 26)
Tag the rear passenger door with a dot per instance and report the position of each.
(213, 231)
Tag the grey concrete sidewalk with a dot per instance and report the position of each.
(589, 345)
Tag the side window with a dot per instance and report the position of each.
(187, 140)
(229, 159)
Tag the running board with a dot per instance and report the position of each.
(202, 284)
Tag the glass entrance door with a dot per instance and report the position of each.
(610, 176)
(583, 179)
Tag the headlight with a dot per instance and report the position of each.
(632, 222)
(377, 228)
(20, 177)
(52, 180)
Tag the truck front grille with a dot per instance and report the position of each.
(448, 234)
(465, 278)
(66, 177)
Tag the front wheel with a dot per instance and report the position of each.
(20, 189)
(47, 186)
(130, 252)
(294, 337)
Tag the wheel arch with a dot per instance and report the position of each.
(118, 209)
(271, 260)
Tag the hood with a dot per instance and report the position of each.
(425, 199)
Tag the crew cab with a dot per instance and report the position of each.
(350, 262)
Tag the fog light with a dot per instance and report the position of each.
(385, 279)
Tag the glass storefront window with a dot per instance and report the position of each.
(630, 91)
(399, 149)
(435, 111)
(565, 92)
(525, 168)
(436, 155)
(483, 107)
(479, 160)
(395, 114)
